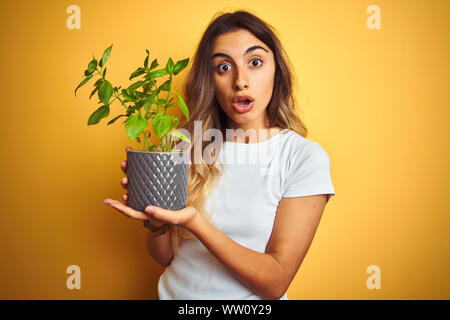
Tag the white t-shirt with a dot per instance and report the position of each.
(243, 206)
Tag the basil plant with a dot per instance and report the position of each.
(143, 100)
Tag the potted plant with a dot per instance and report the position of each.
(157, 174)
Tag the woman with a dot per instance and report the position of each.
(247, 227)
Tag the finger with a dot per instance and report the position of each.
(123, 166)
(122, 208)
(125, 197)
(124, 163)
(124, 182)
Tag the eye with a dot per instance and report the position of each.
(221, 69)
(256, 59)
(227, 66)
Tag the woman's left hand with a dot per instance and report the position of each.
(183, 218)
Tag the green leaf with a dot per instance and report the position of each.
(138, 94)
(139, 104)
(166, 86)
(98, 115)
(169, 66)
(130, 110)
(92, 65)
(104, 73)
(83, 82)
(136, 85)
(178, 134)
(127, 94)
(161, 124)
(105, 92)
(135, 125)
(96, 85)
(180, 66)
(93, 92)
(146, 59)
(105, 57)
(98, 82)
(136, 73)
(154, 64)
(158, 73)
(147, 104)
(146, 87)
(114, 119)
(160, 102)
(183, 106)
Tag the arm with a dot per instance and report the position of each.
(160, 247)
(270, 273)
(294, 228)
(263, 279)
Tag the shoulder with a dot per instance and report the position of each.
(301, 147)
(303, 156)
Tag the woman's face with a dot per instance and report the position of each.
(243, 66)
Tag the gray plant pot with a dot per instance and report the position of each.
(158, 179)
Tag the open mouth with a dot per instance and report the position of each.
(243, 103)
(242, 106)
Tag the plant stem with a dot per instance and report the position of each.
(163, 143)
(115, 93)
(157, 97)
(170, 87)
(172, 144)
(145, 141)
(121, 101)
(113, 100)
(168, 144)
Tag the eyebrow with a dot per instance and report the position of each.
(220, 54)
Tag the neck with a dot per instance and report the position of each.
(250, 133)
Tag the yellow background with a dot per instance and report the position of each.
(376, 100)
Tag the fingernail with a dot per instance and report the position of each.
(150, 210)
(107, 201)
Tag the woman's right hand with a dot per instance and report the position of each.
(124, 183)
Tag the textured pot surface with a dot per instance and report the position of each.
(157, 178)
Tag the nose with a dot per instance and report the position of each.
(241, 80)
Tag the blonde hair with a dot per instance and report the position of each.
(200, 97)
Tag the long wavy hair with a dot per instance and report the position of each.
(200, 97)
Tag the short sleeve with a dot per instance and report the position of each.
(309, 173)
